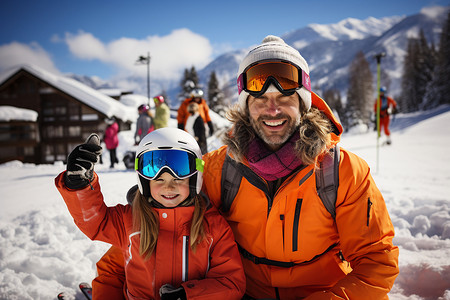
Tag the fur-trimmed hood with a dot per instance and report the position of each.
(242, 133)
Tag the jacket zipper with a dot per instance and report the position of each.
(282, 186)
(185, 259)
(298, 207)
(369, 205)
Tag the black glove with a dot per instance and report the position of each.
(168, 292)
(211, 128)
(395, 111)
(80, 163)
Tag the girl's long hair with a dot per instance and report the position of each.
(146, 220)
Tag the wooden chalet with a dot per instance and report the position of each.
(67, 112)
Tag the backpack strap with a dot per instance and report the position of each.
(230, 183)
(327, 180)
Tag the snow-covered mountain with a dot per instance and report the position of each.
(347, 29)
(330, 49)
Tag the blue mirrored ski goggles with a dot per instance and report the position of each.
(182, 164)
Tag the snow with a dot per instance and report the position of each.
(12, 113)
(42, 252)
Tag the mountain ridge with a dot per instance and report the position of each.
(329, 50)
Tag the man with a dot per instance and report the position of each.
(291, 246)
(162, 112)
(196, 127)
(387, 106)
(203, 110)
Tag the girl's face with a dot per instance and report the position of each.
(168, 190)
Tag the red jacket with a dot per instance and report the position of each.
(385, 103)
(214, 271)
(351, 257)
(111, 139)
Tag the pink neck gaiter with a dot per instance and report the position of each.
(273, 165)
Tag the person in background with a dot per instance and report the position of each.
(203, 109)
(162, 113)
(388, 106)
(144, 123)
(111, 139)
(175, 245)
(196, 127)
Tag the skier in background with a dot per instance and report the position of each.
(162, 112)
(203, 109)
(144, 123)
(196, 127)
(111, 140)
(388, 106)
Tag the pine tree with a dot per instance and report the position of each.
(425, 65)
(360, 93)
(408, 100)
(215, 95)
(418, 69)
(334, 101)
(438, 90)
(188, 83)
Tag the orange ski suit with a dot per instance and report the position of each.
(384, 113)
(351, 257)
(110, 281)
(213, 271)
(183, 113)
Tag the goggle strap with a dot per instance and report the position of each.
(240, 83)
(306, 81)
(199, 164)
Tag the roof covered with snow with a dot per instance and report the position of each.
(85, 94)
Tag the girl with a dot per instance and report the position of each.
(175, 245)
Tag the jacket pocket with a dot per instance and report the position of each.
(369, 206)
(298, 207)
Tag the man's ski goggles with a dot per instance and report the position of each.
(287, 78)
(180, 163)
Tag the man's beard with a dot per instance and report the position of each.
(275, 140)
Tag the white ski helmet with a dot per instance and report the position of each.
(167, 139)
(197, 93)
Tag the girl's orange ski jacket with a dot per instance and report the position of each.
(213, 271)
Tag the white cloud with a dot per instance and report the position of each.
(16, 53)
(169, 55)
(85, 46)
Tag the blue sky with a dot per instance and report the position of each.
(104, 38)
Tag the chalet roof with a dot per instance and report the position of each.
(85, 94)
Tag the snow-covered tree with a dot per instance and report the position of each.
(438, 89)
(418, 68)
(334, 101)
(215, 95)
(188, 83)
(360, 92)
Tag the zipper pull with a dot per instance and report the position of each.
(369, 205)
